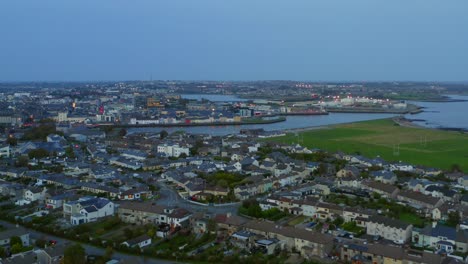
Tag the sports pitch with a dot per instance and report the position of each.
(392, 142)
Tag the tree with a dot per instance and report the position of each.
(128, 233)
(38, 153)
(14, 240)
(41, 243)
(453, 219)
(122, 132)
(12, 141)
(109, 252)
(16, 248)
(69, 152)
(163, 134)
(455, 168)
(211, 225)
(74, 254)
(22, 161)
(2, 252)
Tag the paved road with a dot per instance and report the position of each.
(170, 197)
(90, 250)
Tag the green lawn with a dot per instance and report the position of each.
(412, 219)
(419, 146)
(297, 220)
(352, 227)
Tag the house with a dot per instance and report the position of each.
(382, 253)
(13, 190)
(51, 254)
(385, 190)
(309, 244)
(124, 163)
(351, 214)
(348, 181)
(438, 237)
(99, 189)
(248, 161)
(348, 171)
(55, 138)
(326, 211)
(463, 181)
(178, 217)
(173, 150)
(419, 185)
(401, 167)
(5, 151)
(141, 213)
(419, 200)
(445, 194)
(141, 241)
(432, 172)
(384, 176)
(133, 154)
(229, 223)
(388, 228)
(20, 232)
(441, 212)
(281, 169)
(76, 168)
(242, 239)
(135, 194)
(35, 194)
(88, 209)
(56, 201)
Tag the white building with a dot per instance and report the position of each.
(173, 150)
(88, 210)
(388, 228)
(5, 151)
(35, 194)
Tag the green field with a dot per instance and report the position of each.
(419, 146)
(412, 219)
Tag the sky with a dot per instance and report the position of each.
(316, 40)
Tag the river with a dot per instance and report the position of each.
(291, 122)
(435, 115)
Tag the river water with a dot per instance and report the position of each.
(445, 114)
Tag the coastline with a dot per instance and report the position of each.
(257, 122)
(401, 121)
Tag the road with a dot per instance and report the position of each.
(170, 197)
(91, 250)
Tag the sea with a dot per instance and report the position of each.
(435, 115)
(443, 114)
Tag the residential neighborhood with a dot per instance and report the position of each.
(228, 196)
(133, 169)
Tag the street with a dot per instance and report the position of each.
(91, 250)
(170, 197)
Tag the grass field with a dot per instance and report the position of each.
(412, 219)
(419, 146)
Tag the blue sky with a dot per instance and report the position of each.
(331, 40)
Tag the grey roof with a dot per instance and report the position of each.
(388, 221)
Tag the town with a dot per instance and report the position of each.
(194, 197)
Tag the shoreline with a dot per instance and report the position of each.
(404, 122)
(262, 122)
